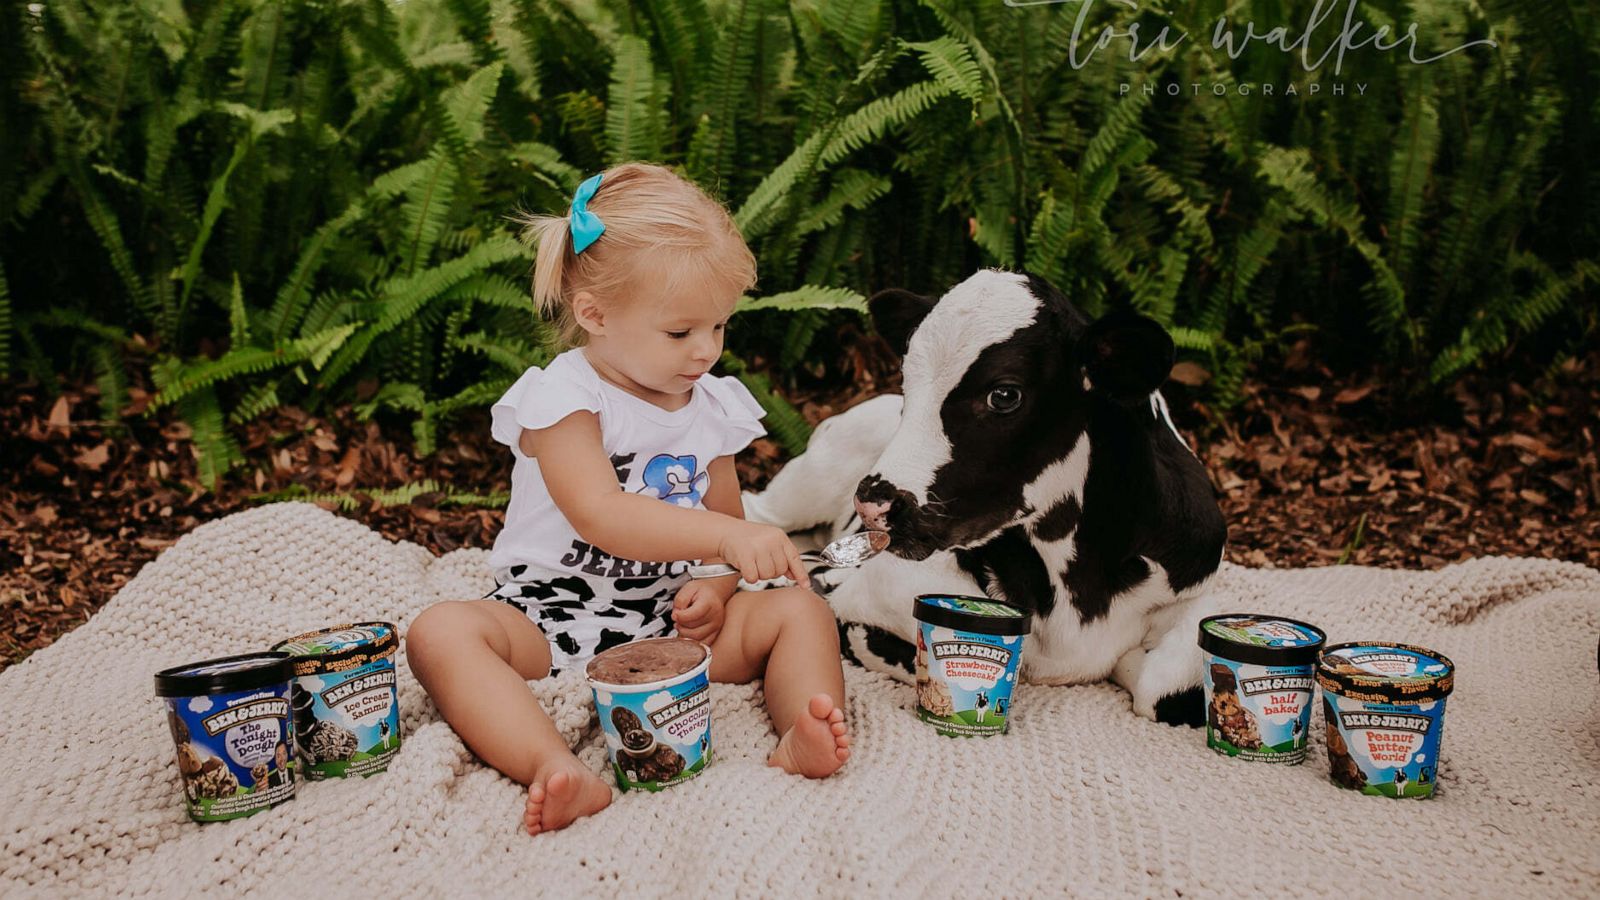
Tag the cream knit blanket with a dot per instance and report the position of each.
(1081, 798)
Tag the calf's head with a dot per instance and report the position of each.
(1000, 375)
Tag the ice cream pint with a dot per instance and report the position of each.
(1259, 685)
(231, 725)
(1384, 709)
(346, 710)
(968, 652)
(654, 701)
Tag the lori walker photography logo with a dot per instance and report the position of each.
(1324, 37)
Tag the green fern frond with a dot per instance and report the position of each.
(493, 289)
(263, 68)
(393, 395)
(950, 63)
(238, 316)
(510, 353)
(1413, 159)
(1491, 330)
(474, 19)
(104, 223)
(111, 378)
(1192, 338)
(684, 36)
(468, 102)
(809, 296)
(426, 211)
(475, 396)
(1048, 237)
(712, 147)
(635, 117)
(215, 449)
(783, 421)
(852, 189)
(830, 144)
(34, 192)
(803, 329)
(853, 22)
(1289, 170)
(400, 496)
(176, 379)
(405, 296)
(260, 123)
(547, 164)
(293, 295)
(258, 400)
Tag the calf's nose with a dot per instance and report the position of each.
(874, 514)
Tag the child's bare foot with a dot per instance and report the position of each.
(562, 791)
(817, 744)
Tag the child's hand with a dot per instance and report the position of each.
(761, 552)
(700, 609)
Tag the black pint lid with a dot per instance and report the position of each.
(1261, 640)
(1384, 672)
(245, 672)
(976, 614)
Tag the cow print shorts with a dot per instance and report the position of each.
(579, 624)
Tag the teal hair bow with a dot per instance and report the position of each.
(586, 226)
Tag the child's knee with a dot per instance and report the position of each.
(438, 630)
(799, 606)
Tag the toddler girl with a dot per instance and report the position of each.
(624, 470)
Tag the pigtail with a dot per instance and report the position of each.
(549, 237)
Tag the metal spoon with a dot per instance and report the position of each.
(846, 552)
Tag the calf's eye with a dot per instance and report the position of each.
(1005, 399)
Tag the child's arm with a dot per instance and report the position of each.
(700, 607)
(584, 486)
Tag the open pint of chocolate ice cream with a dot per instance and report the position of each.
(654, 701)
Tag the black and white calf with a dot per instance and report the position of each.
(1031, 459)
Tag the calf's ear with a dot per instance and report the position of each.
(1126, 356)
(896, 313)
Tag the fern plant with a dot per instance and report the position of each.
(249, 204)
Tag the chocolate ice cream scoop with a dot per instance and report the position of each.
(642, 662)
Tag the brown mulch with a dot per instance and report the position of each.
(1311, 469)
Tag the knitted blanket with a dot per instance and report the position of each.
(1081, 797)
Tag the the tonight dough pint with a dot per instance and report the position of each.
(1384, 710)
(346, 711)
(654, 701)
(1259, 685)
(968, 653)
(229, 720)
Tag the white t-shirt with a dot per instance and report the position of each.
(656, 452)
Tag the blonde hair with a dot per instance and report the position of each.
(653, 217)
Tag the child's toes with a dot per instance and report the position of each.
(821, 707)
(533, 812)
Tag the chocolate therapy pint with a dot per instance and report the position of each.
(346, 712)
(968, 652)
(654, 701)
(231, 725)
(1384, 710)
(1259, 685)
